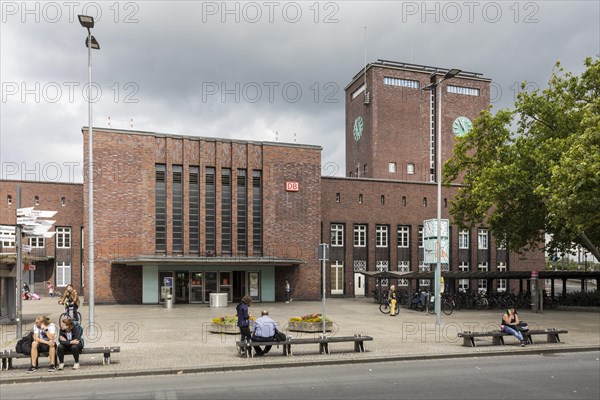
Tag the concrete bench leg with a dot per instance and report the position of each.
(528, 338)
(553, 338)
(359, 347)
(323, 348)
(498, 340)
(468, 341)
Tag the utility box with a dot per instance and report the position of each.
(218, 300)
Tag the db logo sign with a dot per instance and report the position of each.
(291, 186)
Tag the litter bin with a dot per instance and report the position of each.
(169, 302)
(218, 300)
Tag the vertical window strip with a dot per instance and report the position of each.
(177, 208)
(242, 212)
(194, 210)
(160, 209)
(226, 210)
(257, 212)
(211, 210)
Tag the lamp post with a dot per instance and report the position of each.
(91, 43)
(437, 85)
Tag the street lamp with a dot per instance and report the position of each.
(91, 43)
(436, 85)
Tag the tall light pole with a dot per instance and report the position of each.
(437, 85)
(91, 43)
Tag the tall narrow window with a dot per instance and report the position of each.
(226, 210)
(211, 211)
(160, 209)
(337, 197)
(501, 282)
(420, 237)
(482, 239)
(242, 212)
(337, 235)
(194, 211)
(381, 236)
(63, 238)
(337, 277)
(63, 201)
(463, 284)
(360, 235)
(63, 274)
(403, 200)
(177, 204)
(403, 236)
(37, 200)
(257, 212)
(463, 239)
(9, 198)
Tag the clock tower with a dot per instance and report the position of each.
(391, 123)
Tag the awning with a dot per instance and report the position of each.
(483, 274)
(217, 261)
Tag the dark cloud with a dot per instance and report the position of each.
(192, 68)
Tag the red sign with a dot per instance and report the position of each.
(291, 186)
(29, 267)
(534, 274)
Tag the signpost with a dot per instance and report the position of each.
(437, 251)
(324, 256)
(28, 224)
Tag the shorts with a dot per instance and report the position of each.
(43, 348)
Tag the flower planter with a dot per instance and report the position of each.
(226, 328)
(309, 326)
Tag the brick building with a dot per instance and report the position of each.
(58, 259)
(195, 216)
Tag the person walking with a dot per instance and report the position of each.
(392, 300)
(288, 290)
(243, 318)
(50, 287)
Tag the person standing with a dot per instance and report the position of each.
(510, 320)
(264, 331)
(392, 300)
(288, 290)
(69, 339)
(43, 342)
(70, 298)
(243, 318)
(50, 287)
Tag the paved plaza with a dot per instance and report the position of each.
(157, 340)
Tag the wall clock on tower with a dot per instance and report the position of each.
(357, 131)
(461, 126)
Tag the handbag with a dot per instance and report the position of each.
(280, 336)
(522, 326)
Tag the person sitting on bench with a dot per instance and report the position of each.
(69, 339)
(510, 320)
(43, 342)
(264, 331)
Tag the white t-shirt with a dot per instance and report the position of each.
(42, 334)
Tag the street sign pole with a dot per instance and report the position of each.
(323, 247)
(19, 266)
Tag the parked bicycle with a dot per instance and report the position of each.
(446, 306)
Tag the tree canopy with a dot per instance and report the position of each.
(535, 170)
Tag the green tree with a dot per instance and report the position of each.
(535, 170)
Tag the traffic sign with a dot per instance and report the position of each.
(43, 214)
(7, 229)
(24, 212)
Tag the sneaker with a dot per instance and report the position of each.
(76, 366)
(31, 369)
(51, 368)
(522, 344)
(61, 366)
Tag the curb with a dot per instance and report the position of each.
(276, 365)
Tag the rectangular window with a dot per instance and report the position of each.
(210, 219)
(160, 208)
(63, 274)
(420, 237)
(424, 268)
(360, 235)
(463, 239)
(410, 169)
(37, 242)
(501, 282)
(403, 266)
(392, 167)
(257, 212)
(462, 90)
(37, 200)
(463, 284)
(381, 236)
(337, 235)
(482, 283)
(63, 201)
(63, 238)
(242, 212)
(387, 80)
(9, 198)
(403, 236)
(226, 210)
(5, 241)
(482, 239)
(177, 204)
(337, 198)
(337, 277)
(194, 209)
(501, 244)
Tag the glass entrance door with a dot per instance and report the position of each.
(254, 285)
(210, 285)
(225, 284)
(196, 287)
(182, 287)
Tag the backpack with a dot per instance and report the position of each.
(24, 344)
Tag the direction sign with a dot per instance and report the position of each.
(26, 220)
(24, 212)
(27, 248)
(7, 229)
(8, 237)
(42, 214)
(36, 230)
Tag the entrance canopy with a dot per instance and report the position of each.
(216, 261)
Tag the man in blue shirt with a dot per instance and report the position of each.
(264, 331)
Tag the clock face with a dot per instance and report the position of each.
(358, 128)
(461, 126)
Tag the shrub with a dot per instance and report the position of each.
(309, 318)
(227, 320)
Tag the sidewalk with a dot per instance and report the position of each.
(155, 340)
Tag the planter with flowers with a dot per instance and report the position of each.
(309, 323)
(226, 324)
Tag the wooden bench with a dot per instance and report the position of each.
(552, 335)
(245, 347)
(8, 355)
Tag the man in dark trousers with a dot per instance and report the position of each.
(264, 331)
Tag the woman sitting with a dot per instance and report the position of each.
(70, 339)
(510, 320)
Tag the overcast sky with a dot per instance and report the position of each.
(247, 70)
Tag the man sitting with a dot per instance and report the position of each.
(264, 331)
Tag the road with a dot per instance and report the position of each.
(550, 376)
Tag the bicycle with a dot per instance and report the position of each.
(67, 314)
(386, 306)
(446, 306)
